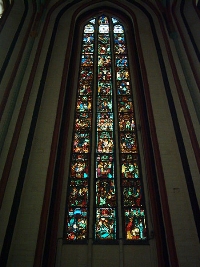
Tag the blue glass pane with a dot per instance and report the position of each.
(87, 60)
(103, 20)
(120, 47)
(121, 61)
(88, 39)
(76, 224)
(84, 103)
(93, 21)
(114, 20)
(123, 88)
(105, 227)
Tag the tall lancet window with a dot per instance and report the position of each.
(105, 189)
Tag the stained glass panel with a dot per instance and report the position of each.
(104, 121)
(126, 122)
(104, 104)
(83, 121)
(105, 142)
(78, 195)
(104, 88)
(76, 224)
(85, 87)
(135, 224)
(131, 186)
(105, 227)
(80, 165)
(123, 88)
(129, 166)
(104, 166)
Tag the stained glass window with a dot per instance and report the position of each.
(1, 8)
(105, 165)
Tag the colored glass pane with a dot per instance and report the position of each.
(135, 224)
(104, 166)
(78, 195)
(76, 224)
(105, 227)
(79, 166)
(104, 121)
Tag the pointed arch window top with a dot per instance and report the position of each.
(93, 21)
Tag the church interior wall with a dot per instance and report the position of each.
(43, 72)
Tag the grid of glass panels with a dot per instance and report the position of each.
(105, 211)
(131, 187)
(104, 74)
(79, 175)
